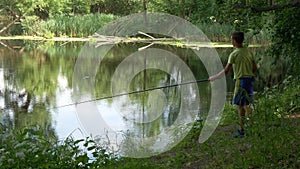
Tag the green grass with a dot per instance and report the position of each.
(267, 147)
(271, 142)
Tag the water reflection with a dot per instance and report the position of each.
(36, 86)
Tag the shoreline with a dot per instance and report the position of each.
(130, 40)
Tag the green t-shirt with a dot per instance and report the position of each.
(242, 61)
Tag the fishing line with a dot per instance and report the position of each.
(129, 93)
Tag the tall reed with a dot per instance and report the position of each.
(62, 25)
(86, 25)
(217, 32)
(77, 26)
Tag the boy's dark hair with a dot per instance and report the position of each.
(238, 36)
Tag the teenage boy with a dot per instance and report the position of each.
(244, 67)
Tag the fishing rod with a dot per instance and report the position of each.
(133, 92)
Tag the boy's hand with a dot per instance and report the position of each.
(212, 78)
(220, 74)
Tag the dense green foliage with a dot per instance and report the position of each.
(286, 37)
(33, 147)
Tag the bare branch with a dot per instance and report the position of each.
(13, 12)
(107, 40)
(17, 18)
(292, 4)
(9, 25)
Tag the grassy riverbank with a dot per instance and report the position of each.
(272, 142)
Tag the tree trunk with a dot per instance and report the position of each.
(145, 5)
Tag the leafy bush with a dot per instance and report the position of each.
(34, 148)
(279, 101)
(286, 37)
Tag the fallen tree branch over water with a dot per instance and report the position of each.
(105, 40)
(179, 42)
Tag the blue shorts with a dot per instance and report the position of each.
(243, 91)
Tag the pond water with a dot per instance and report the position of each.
(37, 88)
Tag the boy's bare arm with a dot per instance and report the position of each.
(222, 73)
(254, 68)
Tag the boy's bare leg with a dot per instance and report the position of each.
(241, 111)
(248, 110)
